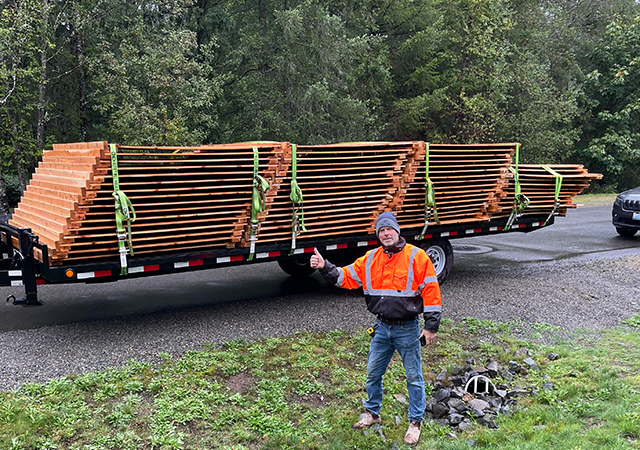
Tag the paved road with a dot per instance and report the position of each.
(503, 278)
(586, 230)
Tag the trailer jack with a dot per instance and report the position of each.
(28, 300)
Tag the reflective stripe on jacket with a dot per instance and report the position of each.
(396, 286)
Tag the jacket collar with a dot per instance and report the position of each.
(396, 248)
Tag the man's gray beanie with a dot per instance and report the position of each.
(387, 219)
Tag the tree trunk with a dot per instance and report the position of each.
(81, 85)
(17, 151)
(43, 77)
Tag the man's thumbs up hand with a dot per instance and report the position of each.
(317, 261)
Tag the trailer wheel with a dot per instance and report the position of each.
(441, 254)
(296, 267)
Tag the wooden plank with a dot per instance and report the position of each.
(51, 194)
(99, 145)
(54, 226)
(60, 187)
(46, 206)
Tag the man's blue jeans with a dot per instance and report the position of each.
(404, 339)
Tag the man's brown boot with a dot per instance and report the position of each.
(413, 433)
(366, 420)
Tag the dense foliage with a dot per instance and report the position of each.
(559, 76)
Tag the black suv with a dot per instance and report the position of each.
(626, 212)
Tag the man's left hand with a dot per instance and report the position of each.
(429, 336)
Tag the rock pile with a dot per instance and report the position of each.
(468, 393)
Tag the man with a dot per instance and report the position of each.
(399, 283)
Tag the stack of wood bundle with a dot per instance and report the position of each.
(60, 192)
(200, 198)
(539, 186)
(468, 181)
(185, 198)
(345, 187)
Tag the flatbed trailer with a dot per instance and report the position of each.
(25, 260)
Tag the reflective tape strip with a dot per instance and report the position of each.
(40, 282)
(367, 269)
(303, 250)
(392, 293)
(412, 257)
(183, 264)
(432, 308)
(536, 224)
(449, 233)
(16, 282)
(226, 259)
(474, 230)
(354, 275)
(99, 273)
(427, 280)
(367, 243)
(336, 246)
(267, 255)
(141, 269)
(340, 276)
(426, 236)
(15, 273)
(496, 228)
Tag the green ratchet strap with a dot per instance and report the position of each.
(124, 208)
(520, 201)
(296, 198)
(556, 204)
(429, 198)
(260, 187)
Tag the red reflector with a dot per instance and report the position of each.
(427, 236)
(151, 268)
(372, 243)
(452, 233)
(39, 282)
(341, 246)
(236, 258)
(500, 228)
(196, 263)
(102, 273)
(477, 230)
(273, 254)
(309, 250)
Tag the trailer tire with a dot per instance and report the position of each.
(296, 267)
(441, 254)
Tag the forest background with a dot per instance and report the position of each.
(560, 76)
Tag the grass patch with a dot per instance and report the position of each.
(595, 199)
(305, 391)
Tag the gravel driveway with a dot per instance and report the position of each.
(587, 292)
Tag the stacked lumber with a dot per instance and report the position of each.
(60, 192)
(469, 182)
(345, 187)
(200, 198)
(185, 198)
(539, 186)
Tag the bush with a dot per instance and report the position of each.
(12, 186)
